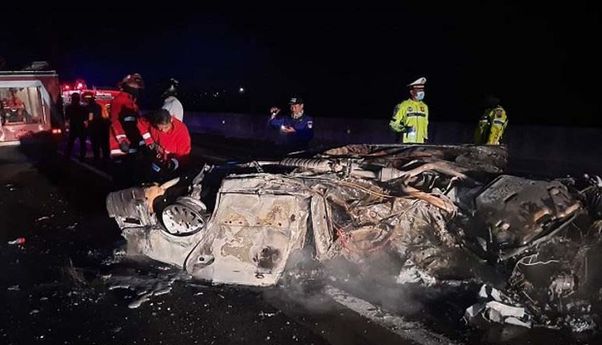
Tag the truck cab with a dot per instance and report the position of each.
(28, 105)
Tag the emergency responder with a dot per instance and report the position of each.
(3, 111)
(127, 132)
(171, 103)
(411, 117)
(492, 123)
(16, 107)
(171, 144)
(98, 127)
(2, 120)
(77, 116)
(58, 113)
(296, 130)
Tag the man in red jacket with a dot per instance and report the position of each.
(171, 143)
(127, 131)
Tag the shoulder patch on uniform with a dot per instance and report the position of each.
(310, 124)
(498, 112)
(410, 109)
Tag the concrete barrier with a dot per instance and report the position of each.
(551, 148)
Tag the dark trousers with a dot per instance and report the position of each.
(129, 170)
(81, 135)
(99, 136)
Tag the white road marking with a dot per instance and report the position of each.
(410, 330)
(94, 170)
(90, 167)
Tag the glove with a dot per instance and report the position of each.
(124, 146)
(156, 149)
(165, 166)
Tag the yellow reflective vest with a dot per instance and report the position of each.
(491, 126)
(411, 118)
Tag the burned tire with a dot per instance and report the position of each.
(185, 217)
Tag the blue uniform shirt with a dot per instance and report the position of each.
(298, 140)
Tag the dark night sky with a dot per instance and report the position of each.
(541, 60)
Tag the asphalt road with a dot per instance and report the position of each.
(70, 283)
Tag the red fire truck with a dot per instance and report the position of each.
(28, 105)
(103, 96)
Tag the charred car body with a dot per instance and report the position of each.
(444, 213)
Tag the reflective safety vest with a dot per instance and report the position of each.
(491, 126)
(411, 118)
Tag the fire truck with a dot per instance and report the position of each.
(103, 96)
(28, 105)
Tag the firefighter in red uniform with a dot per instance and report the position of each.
(128, 132)
(171, 144)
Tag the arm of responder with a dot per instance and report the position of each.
(397, 123)
(426, 133)
(275, 121)
(144, 128)
(116, 128)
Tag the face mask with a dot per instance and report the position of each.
(132, 91)
(420, 95)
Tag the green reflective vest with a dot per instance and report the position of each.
(491, 126)
(411, 118)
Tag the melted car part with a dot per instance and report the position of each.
(512, 212)
(259, 220)
(427, 215)
(129, 208)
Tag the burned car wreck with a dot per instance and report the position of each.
(443, 213)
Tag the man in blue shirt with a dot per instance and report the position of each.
(296, 130)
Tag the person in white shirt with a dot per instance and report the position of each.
(171, 103)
